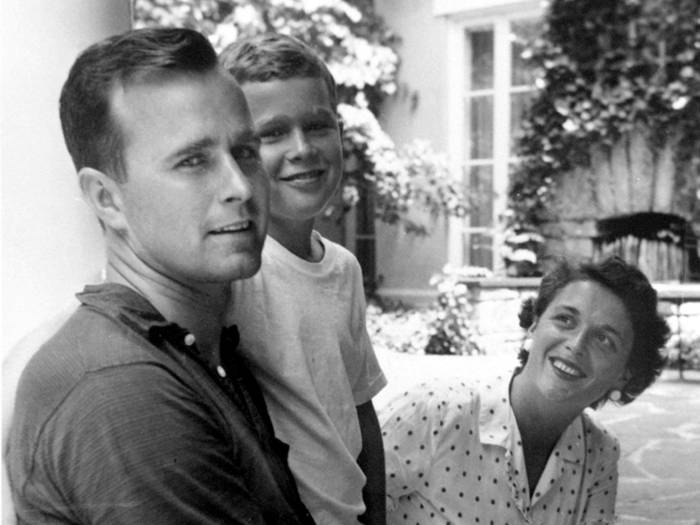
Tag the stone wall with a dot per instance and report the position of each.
(495, 306)
(496, 303)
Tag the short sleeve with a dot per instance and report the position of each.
(370, 379)
(148, 450)
(411, 439)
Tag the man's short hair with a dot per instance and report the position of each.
(272, 56)
(92, 136)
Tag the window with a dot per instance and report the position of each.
(496, 86)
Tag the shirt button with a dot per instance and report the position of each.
(221, 371)
(189, 339)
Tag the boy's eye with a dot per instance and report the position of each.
(245, 153)
(321, 125)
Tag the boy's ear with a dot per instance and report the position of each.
(341, 128)
(103, 195)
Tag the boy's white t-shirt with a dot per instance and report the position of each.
(302, 328)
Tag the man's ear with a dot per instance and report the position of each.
(103, 194)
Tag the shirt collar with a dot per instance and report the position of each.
(125, 305)
(496, 419)
(132, 309)
(571, 445)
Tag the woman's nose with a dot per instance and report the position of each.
(577, 342)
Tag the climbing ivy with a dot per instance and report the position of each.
(606, 66)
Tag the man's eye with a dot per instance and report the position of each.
(272, 134)
(193, 161)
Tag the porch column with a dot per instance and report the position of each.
(51, 243)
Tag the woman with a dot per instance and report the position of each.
(521, 447)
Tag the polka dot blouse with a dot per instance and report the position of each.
(453, 455)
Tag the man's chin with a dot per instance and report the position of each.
(244, 269)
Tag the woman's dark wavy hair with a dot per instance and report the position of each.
(646, 360)
(272, 56)
(92, 137)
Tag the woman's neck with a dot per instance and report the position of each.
(540, 422)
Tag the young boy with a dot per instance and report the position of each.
(302, 317)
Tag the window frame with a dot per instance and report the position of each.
(461, 20)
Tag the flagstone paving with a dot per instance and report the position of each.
(660, 465)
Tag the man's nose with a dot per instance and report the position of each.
(235, 183)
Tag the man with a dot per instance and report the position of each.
(138, 409)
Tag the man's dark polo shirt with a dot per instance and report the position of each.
(118, 420)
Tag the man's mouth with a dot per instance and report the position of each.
(566, 368)
(234, 228)
(303, 175)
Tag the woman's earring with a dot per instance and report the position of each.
(527, 344)
(615, 395)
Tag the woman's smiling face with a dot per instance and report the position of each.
(580, 345)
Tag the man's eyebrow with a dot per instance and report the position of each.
(272, 120)
(193, 147)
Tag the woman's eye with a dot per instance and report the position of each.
(564, 319)
(605, 341)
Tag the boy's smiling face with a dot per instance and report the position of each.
(301, 145)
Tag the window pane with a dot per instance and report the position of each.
(523, 32)
(481, 127)
(481, 196)
(482, 59)
(480, 250)
(519, 103)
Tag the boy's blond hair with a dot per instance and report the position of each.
(272, 56)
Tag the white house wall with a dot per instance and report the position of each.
(51, 242)
(406, 263)
(430, 105)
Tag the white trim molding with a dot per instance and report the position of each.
(484, 7)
